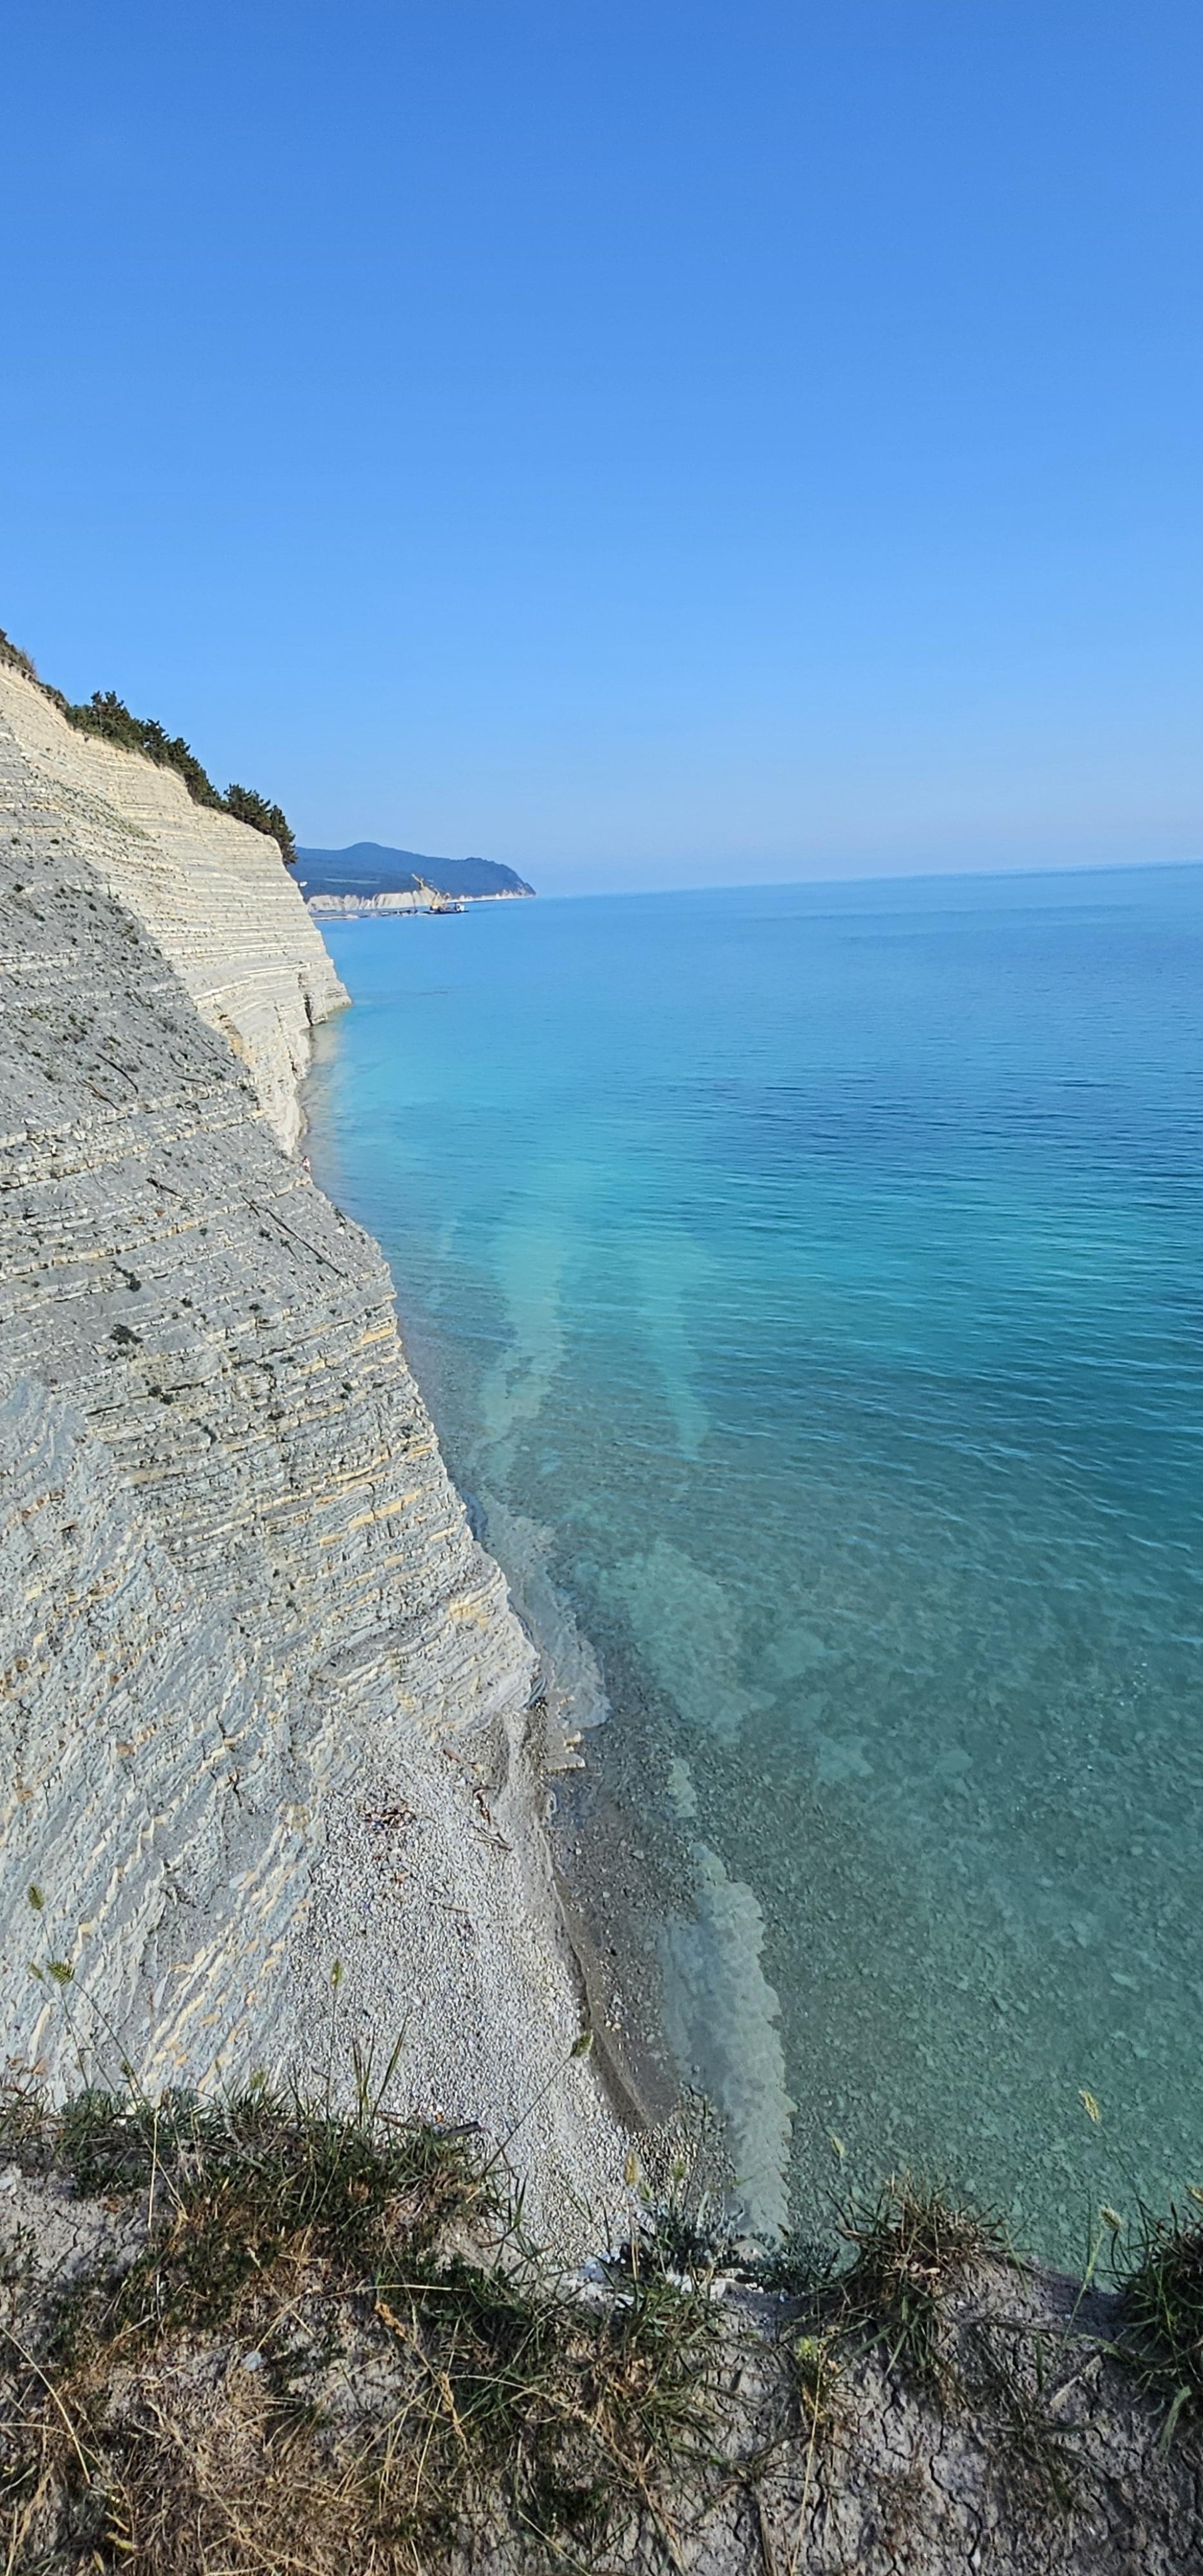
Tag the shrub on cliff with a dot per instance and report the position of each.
(107, 715)
(15, 658)
(247, 807)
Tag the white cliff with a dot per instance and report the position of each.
(264, 1699)
(212, 894)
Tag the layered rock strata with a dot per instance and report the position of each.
(212, 894)
(263, 1695)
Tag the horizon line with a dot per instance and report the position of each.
(897, 876)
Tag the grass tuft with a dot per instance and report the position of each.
(1018, 2385)
(1161, 2303)
(912, 2246)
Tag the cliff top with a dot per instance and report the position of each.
(260, 2334)
(106, 715)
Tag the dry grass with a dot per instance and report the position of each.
(320, 2344)
(330, 2350)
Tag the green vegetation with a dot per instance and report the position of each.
(107, 716)
(911, 2247)
(247, 806)
(19, 661)
(1161, 2301)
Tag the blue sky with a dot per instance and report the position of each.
(652, 444)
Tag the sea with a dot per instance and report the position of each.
(807, 1284)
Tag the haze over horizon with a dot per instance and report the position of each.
(650, 446)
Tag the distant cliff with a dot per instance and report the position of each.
(264, 1697)
(369, 869)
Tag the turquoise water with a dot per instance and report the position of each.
(807, 1280)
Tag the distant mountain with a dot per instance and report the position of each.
(368, 869)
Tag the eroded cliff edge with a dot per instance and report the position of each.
(264, 1696)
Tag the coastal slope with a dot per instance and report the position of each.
(264, 1786)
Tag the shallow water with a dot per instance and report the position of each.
(817, 1269)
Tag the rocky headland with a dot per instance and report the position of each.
(370, 878)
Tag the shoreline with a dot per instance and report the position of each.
(387, 907)
(613, 1955)
(588, 1832)
(667, 1946)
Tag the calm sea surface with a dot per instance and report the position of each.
(810, 1279)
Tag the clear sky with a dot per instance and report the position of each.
(647, 441)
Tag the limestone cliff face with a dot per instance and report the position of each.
(237, 1580)
(213, 895)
